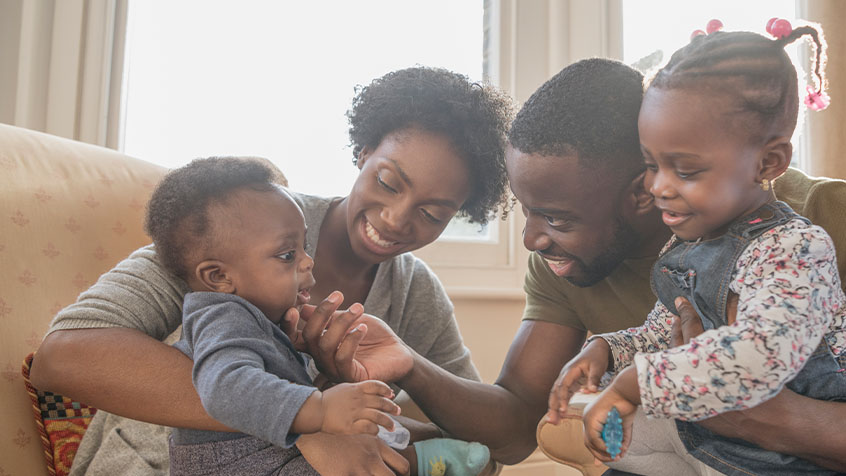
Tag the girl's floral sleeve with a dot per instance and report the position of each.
(652, 336)
(789, 298)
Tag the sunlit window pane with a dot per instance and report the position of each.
(275, 79)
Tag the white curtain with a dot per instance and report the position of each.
(63, 67)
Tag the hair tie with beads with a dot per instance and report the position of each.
(816, 100)
(711, 27)
(779, 27)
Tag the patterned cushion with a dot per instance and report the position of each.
(61, 423)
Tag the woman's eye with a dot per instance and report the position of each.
(286, 256)
(430, 217)
(385, 185)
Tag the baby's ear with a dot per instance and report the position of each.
(636, 198)
(775, 159)
(214, 276)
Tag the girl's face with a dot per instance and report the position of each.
(701, 166)
(409, 188)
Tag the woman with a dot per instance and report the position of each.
(429, 145)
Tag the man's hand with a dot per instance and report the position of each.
(584, 371)
(350, 346)
(360, 454)
(787, 423)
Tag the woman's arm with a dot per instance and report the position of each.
(122, 371)
(105, 349)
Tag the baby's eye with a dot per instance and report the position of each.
(651, 167)
(686, 175)
(287, 256)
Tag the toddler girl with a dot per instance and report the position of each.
(715, 129)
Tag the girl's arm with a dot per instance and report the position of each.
(788, 290)
(654, 335)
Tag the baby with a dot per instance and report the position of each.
(238, 241)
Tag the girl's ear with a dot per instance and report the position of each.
(214, 276)
(775, 160)
(636, 198)
(362, 157)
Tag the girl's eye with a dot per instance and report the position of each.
(430, 217)
(287, 256)
(385, 185)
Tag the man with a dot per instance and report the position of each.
(575, 166)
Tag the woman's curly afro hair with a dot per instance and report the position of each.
(475, 117)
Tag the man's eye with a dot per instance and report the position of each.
(555, 221)
(286, 256)
(385, 185)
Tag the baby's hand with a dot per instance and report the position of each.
(584, 371)
(352, 408)
(289, 325)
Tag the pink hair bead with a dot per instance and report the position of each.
(770, 24)
(816, 101)
(696, 33)
(713, 25)
(781, 28)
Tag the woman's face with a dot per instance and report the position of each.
(409, 188)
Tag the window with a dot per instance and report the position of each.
(653, 30)
(275, 79)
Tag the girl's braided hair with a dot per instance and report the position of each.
(754, 71)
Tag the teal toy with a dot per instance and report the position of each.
(612, 432)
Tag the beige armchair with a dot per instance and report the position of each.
(69, 211)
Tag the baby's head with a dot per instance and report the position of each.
(223, 225)
(715, 127)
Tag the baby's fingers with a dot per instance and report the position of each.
(375, 387)
(379, 418)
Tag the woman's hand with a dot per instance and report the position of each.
(350, 346)
(620, 395)
(583, 371)
(359, 454)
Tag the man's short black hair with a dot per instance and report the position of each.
(473, 116)
(177, 213)
(588, 110)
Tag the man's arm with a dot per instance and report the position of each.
(787, 423)
(503, 416)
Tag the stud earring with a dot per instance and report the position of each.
(765, 185)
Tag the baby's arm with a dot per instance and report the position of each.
(787, 289)
(231, 349)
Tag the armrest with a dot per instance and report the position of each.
(565, 443)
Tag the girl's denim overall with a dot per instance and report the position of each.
(701, 272)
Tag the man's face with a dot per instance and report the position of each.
(572, 216)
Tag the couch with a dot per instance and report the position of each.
(70, 211)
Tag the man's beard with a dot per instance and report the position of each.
(624, 241)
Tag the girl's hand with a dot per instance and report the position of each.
(584, 371)
(619, 395)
